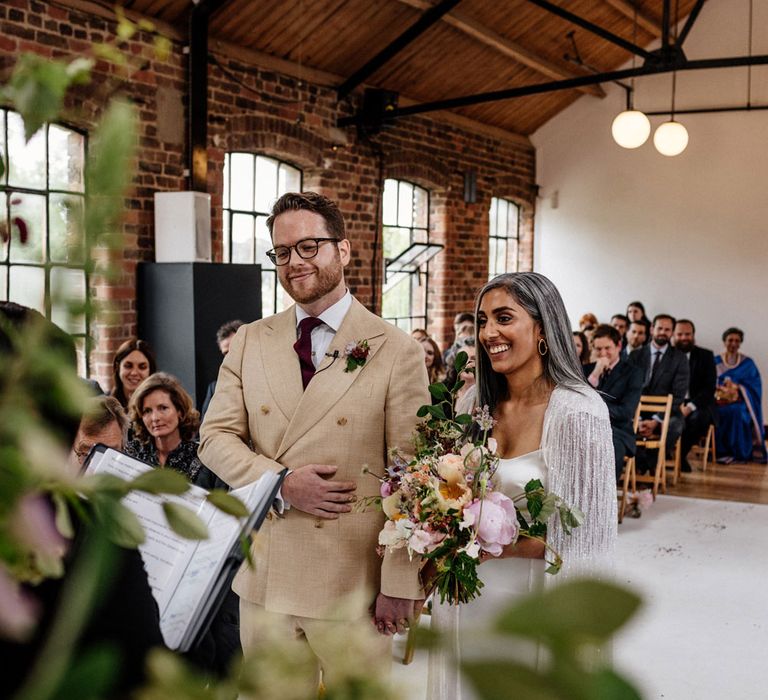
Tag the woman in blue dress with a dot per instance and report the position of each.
(739, 393)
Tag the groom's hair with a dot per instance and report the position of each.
(314, 202)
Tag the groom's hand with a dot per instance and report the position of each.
(395, 614)
(310, 489)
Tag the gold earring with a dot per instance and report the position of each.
(546, 348)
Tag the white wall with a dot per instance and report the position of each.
(686, 235)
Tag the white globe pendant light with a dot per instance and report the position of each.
(670, 138)
(631, 129)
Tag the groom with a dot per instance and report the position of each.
(288, 396)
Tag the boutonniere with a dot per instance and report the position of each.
(356, 353)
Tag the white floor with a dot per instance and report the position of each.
(702, 569)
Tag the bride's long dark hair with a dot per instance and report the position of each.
(540, 298)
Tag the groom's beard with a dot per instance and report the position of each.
(325, 281)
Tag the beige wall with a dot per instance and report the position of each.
(686, 235)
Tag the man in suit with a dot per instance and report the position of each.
(289, 394)
(698, 408)
(666, 372)
(637, 335)
(620, 385)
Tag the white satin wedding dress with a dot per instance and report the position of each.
(505, 580)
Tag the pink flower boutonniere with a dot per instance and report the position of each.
(356, 354)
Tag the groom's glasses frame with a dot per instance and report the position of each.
(306, 249)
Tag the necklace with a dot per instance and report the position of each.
(728, 364)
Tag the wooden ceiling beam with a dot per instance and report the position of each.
(471, 27)
(626, 8)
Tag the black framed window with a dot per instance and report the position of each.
(42, 225)
(405, 218)
(252, 183)
(503, 237)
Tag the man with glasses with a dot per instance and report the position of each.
(324, 389)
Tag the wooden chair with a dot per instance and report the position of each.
(655, 405)
(706, 448)
(628, 481)
(674, 463)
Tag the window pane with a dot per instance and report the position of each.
(3, 283)
(66, 159)
(27, 160)
(263, 243)
(4, 178)
(28, 287)
(405, 204)
(420, 207)
(67, 288)
(242, 238)
(390, 203)
(225, 234)
(66, 215)
(30, 208)
(501, 255)
(241, 181)
(4, 231)
(267, 293)
(266, 183)
(289, 179)
(512, 263)
(82, 365)
(492, 272)
(513, 217)
(396, 240)
(396, 301)
(225, 194)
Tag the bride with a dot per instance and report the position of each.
(551, 425)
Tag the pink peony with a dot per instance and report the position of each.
(425, 541)
(496, 521)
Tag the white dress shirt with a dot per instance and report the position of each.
(322, 336)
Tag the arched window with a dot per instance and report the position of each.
(405, 216)
(42, 225)
(503, 237)
(252, 183)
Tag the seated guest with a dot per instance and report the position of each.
(165, 426)
(636, 312)
(739, 394)
(467, 345)
(665, 371)
(620, 385)
(134, 361)
(419, 334)
(463, 327)
(637, 336)
(698, 408)
(223, 339)
(582, 347)
(621, 323)
(433, 360)
(588, 322)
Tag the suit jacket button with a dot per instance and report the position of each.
(265, 410)
(318, 523)
(341, 421)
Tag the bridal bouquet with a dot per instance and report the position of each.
(442, 506)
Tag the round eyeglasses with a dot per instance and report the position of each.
(306, 248)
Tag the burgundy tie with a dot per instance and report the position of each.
(303, 348)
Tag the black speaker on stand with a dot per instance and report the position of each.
(182, 305)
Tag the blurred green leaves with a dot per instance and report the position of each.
(572, 622)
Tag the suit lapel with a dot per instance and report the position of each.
(331, 382)
(281, 362)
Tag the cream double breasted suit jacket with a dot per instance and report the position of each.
(260, 419)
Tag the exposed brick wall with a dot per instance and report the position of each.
(294, 120)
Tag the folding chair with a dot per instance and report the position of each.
(655, 405)
(674, 463)
(706, 448)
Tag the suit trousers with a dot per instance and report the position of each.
(696, 426)
(324, 644)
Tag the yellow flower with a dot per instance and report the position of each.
(453, 495)
(391, 505)
(451, 468)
